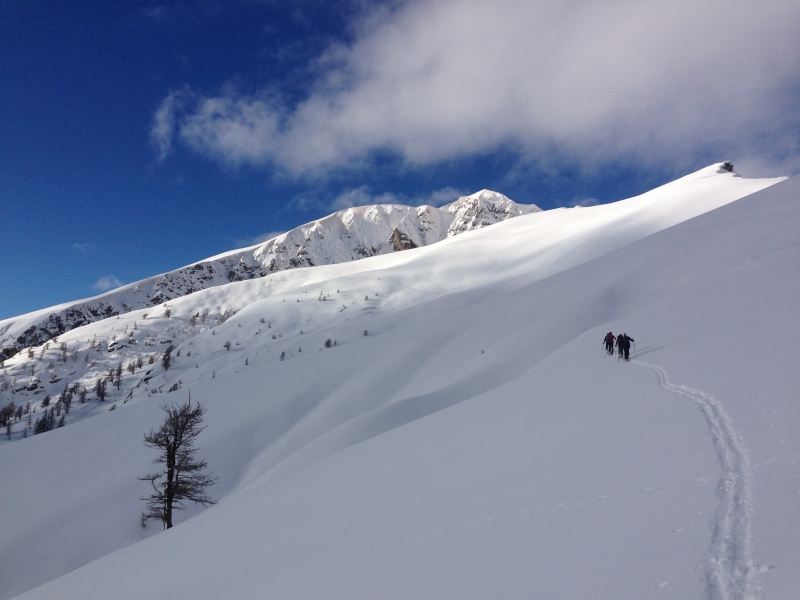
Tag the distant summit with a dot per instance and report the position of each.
(344, 236)
(363, 231)
(484, 208)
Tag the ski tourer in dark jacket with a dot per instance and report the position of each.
(624, 344)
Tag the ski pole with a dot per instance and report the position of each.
(634, 349)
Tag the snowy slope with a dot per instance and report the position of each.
(476, 439)
(344, 236)
(530, 247)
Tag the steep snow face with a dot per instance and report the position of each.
(344, 236)
(477, 442)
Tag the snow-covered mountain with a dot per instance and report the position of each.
(465, 435)
(347, 235)
(86, 351)
(364, 231)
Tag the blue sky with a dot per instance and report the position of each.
(137, 137)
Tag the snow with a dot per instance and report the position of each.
(346, 235)
(477, 442)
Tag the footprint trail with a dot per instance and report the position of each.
(730, 571)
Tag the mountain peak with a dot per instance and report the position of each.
(483, 208)
(344, 236)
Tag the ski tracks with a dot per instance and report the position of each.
(730, 572)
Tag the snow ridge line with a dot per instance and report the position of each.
(730, 571)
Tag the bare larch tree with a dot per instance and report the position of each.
(181, 476)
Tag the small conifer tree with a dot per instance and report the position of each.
(100, 388)
(166, 360)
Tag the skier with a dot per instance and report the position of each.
(608, 340)
(624, 345)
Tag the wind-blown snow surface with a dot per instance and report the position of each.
(477, 443)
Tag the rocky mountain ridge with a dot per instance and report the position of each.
(346, 235)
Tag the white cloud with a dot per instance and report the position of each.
(82, 246)
(596, 81)
(439, 197)
(162, 130)
(258, 239)
(234, 130)
(361, 196)
(585, 202)
(308, 202)
(108, 282)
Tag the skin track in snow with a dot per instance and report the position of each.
(730, 572)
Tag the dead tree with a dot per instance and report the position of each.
(181, 477)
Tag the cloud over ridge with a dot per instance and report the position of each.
(105, 283)
(434, 81)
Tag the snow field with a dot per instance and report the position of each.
(477, 443)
